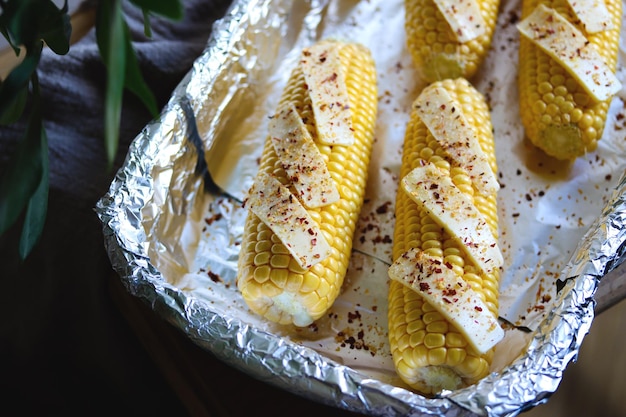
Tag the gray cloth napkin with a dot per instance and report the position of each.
(64, 348)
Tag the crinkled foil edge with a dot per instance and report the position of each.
(527, 382)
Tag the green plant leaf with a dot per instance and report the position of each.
(134, 80)
(24, 170)
(17, 81)
(55, 27)
(147, 29)
(15, 110)
(110, 35)
(172, 9)
(37, 207)
(24, 23)
(7, 36)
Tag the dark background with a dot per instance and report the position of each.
(73, 341)
(66, 348)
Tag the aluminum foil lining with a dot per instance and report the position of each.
(173, 220)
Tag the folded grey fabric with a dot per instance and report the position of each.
(64, 346)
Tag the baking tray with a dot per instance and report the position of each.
(173, 219)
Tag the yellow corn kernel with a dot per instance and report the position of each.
(270, 280)
(436, 52)
(445, 359)
(570, 127)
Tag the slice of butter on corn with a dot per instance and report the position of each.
(326, 82)
(429, 188)
(464, 18)
(563, 42)
(593, 14)
(302, 159)
(447, 123)
(281, 211)
(450, 295)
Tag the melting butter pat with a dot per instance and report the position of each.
(301, 159)
(593, 14)
(562, 41)
(447, 123)
(281, 211)
(450, 295)
(434, 191)
(464, 17)
(323, 74)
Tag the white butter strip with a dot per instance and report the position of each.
(431, 189)
(464, 18)
(557, 37)
(593, 14)
(447, 123)
(450, 295)
(281, 211)
(325, 79)
(301, 159)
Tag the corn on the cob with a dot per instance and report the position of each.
(430, 353)
(558, 114)
(436, 49)
(270, 279)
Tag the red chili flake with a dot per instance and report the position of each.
(353, 316)
(215, 218)
(384, 208)
(449, 292)
(424, 286)
(333, 77)
(214, 277)
(478, 308)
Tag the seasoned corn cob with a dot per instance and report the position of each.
(429, 352)
(435, 47)
(558, 115)
(272, 282)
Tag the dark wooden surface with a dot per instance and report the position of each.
(205, 385)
